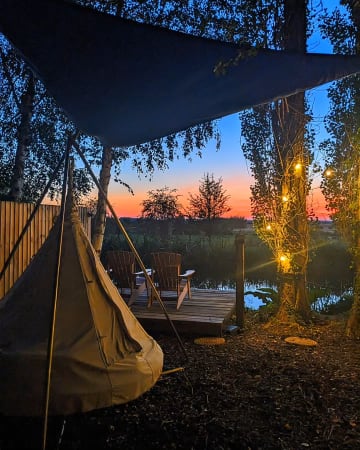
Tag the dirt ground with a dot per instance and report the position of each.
(254, 391)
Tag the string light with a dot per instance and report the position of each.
(285, 198)
(329, 172)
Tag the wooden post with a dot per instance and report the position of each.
(240, 280)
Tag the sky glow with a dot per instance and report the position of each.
(227, 163)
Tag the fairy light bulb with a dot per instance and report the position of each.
(328, 172)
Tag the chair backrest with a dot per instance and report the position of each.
(166, 269)
(121, 265)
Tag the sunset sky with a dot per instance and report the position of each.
(228, 163)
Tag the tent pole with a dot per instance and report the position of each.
(29, 220)
(50, 350)
(131, 245)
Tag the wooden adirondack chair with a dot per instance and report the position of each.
(121, 268)
(165, 271)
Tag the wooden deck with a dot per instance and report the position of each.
(207, 313)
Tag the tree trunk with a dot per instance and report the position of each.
(353, 323)
(294, 303)
(100, 216)
(286, 289)
(23, 142)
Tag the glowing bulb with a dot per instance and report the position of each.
(285, 198)
(328, 172)
(297, 166)
(283, 258)
(268, 227)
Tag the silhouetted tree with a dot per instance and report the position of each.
(161, 204)
(33, 133)
(211, 202)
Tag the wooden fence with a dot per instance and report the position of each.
(13, 217)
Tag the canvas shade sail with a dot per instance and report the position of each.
(102, 356)
(129, 83)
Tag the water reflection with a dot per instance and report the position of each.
(327, 302)
(323, 296)
(251, 300)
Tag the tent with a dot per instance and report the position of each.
(101, 356)
(128, 83)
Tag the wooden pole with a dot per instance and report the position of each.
(240, 280)
(56, 291)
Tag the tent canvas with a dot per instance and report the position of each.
(128, 83)
(102, 355)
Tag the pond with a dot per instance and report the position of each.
(323, 296)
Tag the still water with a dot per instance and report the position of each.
(321, 296)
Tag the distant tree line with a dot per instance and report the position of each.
(167, 228)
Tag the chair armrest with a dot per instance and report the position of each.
(187, 274)
(148, 271)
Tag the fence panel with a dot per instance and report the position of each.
(13, 218)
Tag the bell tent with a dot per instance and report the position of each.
(102, 356)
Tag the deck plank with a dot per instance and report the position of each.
(207, 313)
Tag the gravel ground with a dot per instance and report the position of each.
(253, 391)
